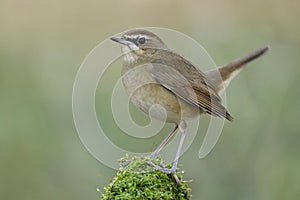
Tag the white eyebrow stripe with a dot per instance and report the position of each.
(136, 36)
(145, 36)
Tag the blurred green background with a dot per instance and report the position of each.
(43, 43)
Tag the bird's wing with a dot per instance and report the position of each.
(188, 83)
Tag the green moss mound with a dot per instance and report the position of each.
(138, 180)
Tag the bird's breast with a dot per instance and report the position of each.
(146, 93)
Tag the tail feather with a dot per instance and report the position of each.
(222, 76)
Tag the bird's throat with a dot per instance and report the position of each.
(129, 57)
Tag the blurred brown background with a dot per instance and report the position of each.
(42, 44)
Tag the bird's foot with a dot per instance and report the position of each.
(164, 169)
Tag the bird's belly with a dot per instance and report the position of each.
(146, 94)
(163, 104)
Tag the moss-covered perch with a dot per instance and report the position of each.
(138, 180)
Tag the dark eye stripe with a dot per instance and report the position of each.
(133, 40)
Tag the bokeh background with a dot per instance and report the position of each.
(43, 43)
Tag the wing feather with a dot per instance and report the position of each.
(186, 81)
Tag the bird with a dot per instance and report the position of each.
(153, 74)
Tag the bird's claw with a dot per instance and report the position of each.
(165, 170)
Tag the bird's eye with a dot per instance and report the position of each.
(142, 40)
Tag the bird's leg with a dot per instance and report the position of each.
(164, 142)
(182, 128)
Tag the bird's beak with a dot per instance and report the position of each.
(121, 40)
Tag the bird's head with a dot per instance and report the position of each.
(138, 40)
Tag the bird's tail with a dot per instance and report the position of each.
(221, 77)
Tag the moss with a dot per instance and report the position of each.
(138, 180)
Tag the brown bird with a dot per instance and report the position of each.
(152, 74)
